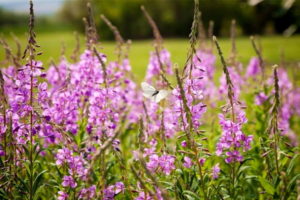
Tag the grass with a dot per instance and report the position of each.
(51, 44)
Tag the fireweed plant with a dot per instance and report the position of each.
(82, 129)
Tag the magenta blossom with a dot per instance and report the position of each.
(156, 62)
(216, 171)
(233, 156)
(233, 140)
(253, 68)
(184, 143)
(62, 195)
(188, 163)
(167, 163)
(260, 98)
(68, 181)
(87, 193)
(111, 191)
(164, 162)
(202, 161)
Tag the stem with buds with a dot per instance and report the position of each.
(231, 97)
(259, 55)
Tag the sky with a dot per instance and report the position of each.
(41, 7)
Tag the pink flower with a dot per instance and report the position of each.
(237, 82)
(253, 68)
(166, 162)
(143, 196)
(119, 187)
(113, 190)
(202, 161)
(87, 193)
(233, 138)
(216, 171)
(68, 181)
(233, 156)
(2, 153)
(63, 155)
(153, 162)
(187, 162)
(62, 195)
(260, 98)
(154, 66)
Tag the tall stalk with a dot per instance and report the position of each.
(188, 73)
(260, 57)
(156, 33)
(193, 39)
(158, 42)
(233, 56)
(31, 57)
(274, 119)
(230, 95)
(118, 37)
(31, 50)
(3, 102)
(201, 32)
(190, 139)
(76, 50)
(211, 33)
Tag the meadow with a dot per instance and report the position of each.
(183, 119)
(51, 45)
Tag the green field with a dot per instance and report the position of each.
(139, 53)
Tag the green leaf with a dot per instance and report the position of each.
(190, 194)
(266, 185)
(26, 151)
(242, 169)
(293, 182)
(37, 181)
(23, 184)
(292, 164)
(37, 152)
(251, 177)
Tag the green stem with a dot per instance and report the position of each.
(201, 174)
(275, 118)
(31, 133)
(5, 141)
(233, 181)
(230, 95)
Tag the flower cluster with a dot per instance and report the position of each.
(76, 166)
(159, 62)
(22, 102)
(165, 163)
(95, 136)
(237, 81)
(111, 191)
(253, 68)
(233, 141)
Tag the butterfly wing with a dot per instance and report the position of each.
(148, 90)
(161, 95)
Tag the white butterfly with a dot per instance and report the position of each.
(151, 93)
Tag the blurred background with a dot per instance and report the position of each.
(276, 21)
(173, 17)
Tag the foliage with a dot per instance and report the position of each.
(83, 129)
(173, 18)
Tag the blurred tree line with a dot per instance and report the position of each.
(17, 23)
(9, 18)
(174, 17)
